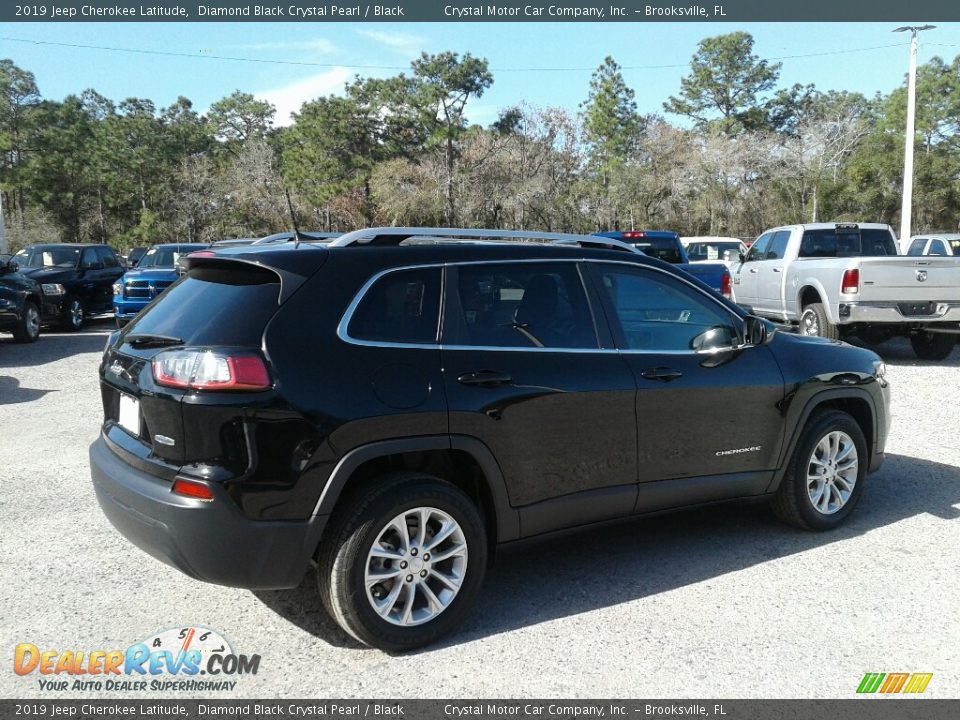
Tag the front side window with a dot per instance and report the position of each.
(400, 307)
(659, 313)
(759, 248)
(528, 305)
(937, 248)
(107, 257)
(778, 245)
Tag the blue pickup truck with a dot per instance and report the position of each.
(156, 271)
(665, 245)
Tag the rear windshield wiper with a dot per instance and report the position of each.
(147, 340)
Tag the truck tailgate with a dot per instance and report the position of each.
(910, 279)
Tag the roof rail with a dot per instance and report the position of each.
(396, 235)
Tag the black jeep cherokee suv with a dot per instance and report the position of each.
(394, 405)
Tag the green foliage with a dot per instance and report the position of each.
(726, 85)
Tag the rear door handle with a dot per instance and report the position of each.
(663, 374)
(778, 269)
(484, 378)
(754, 270)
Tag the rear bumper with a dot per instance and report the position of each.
(211, 541)
(890, 312)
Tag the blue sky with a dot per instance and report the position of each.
(523, 57)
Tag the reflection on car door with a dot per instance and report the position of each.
(708, 426)
(524, 369)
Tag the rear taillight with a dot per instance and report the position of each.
(210, 370)
(850, 282)
(192, 489)
(725, 285)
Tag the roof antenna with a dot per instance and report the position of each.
(293, 219)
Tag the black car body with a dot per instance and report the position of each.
(524, 388)
(20, 301)
(76, 279)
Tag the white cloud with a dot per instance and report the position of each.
(289, 98)
(409, 45)
(321, 46)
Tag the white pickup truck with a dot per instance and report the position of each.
(840, 279)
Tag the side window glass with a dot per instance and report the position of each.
(759, 248)
(532, 305)
(108, 259)
(778, 246)
(659, 313)
(937, 248)
(89, 257)
(916, 247)
(401, 307)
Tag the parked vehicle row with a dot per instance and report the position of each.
(389, 413)
(838, 280)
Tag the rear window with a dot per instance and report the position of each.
(661, 248)
(713, 250)
(847, 242)
(213, 307)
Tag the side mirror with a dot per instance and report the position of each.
(755, 330)
(742, 255)
(9, 266)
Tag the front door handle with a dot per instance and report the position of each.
(663, 374)
(778, 269)
(484, 378)
(754, 270)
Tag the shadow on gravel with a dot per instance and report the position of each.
(602, 567)
(899, 352)
(52, 347)
(11, 393)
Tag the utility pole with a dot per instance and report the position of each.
(906, 209)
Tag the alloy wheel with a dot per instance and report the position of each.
(416, 566)
(31, 321)
(832, 472)
(809, 323)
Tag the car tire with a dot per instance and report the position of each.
(368, 529)
(72, 315)
(814, 321)
(820, 488)
(27, 330)
(932, 346)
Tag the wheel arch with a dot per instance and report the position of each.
(855, 402)
(463, 461)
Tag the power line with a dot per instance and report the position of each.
(303, 63)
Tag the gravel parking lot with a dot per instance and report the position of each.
(719, 602)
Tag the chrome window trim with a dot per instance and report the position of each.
(345, 337)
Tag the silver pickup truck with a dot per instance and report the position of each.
(841, 279)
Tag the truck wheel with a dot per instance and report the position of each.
(932, 346)
(826, 473)
(28, 329)
(813, 321)
(71, 318)
(403, 562)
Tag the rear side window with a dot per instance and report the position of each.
(916, 247)
(529, 305)
(213, 307)
(401, 307)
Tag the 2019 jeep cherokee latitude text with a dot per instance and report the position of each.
(391, 411)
